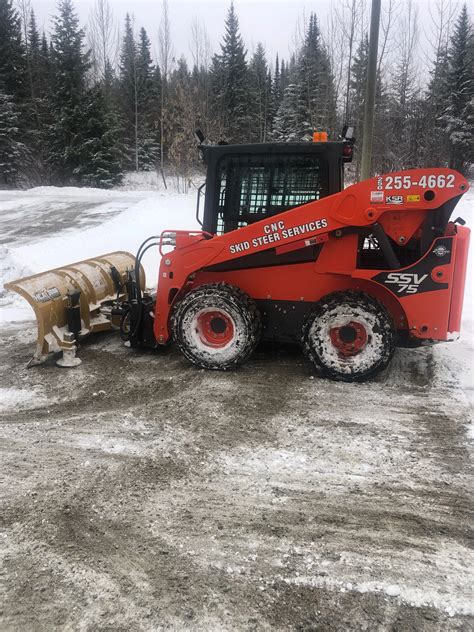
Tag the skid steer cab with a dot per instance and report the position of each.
(285, 254)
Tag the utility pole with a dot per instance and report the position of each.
(367, 135)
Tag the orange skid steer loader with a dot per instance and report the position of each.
(285, 254)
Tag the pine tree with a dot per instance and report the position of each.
(285, 75)
(259, 91)
(14, 156)
(316, 83)
(276, 88)
(44, 57)
(70, 62)
(34, 46)
(98, 146)
(230, 83)
(149, 148)
(129, 93)
(384, 149)
(69, 65)
(434, 139)
(287, 123)
(13, 152)
(145, 66)
(37, 112)
(139, 99)
(459, 114)
(357, 86)
(404, 88)
(12, 52)
(276, 95)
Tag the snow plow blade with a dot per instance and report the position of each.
(74, 301)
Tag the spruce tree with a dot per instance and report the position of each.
(316, 84)
(145, 65)
(34, 46)
(383, 143)
(44, 56)
(284, 77)
(12, 52)
(287, 123)
(13, 152)
(37, 112)
(98, 146)
(357, 87)
(149, 148)
(259, 92)
(384, 148)
(139, 81)
(230, 83)
(129, 94)
(276, 96)
(458, 115)
(69, 65)
(276, 87)
(434, 139)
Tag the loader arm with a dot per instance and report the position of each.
(396, 205)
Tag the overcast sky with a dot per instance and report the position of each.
(272, 22)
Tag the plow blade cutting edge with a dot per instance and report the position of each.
(71, 302)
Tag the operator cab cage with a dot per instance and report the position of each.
(248, 183)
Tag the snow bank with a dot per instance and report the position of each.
(148, 216)
(151, 180)
(125, 231)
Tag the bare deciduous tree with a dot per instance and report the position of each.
(104, 39)
(349, 15)
(442, 14)
(200, 45)
(389, 14)
(334, 41)
(407, 35)
(165, 59)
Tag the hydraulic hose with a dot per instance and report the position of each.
(146, 245)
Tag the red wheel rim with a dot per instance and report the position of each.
(350, 339)
(215, 328)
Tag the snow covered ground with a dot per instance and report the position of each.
(48, 227)
(142, 493)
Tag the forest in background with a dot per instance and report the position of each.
(81, 105)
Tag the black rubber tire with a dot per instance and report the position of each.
(381, 336)
(239, 307)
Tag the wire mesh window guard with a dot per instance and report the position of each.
(252, 188)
